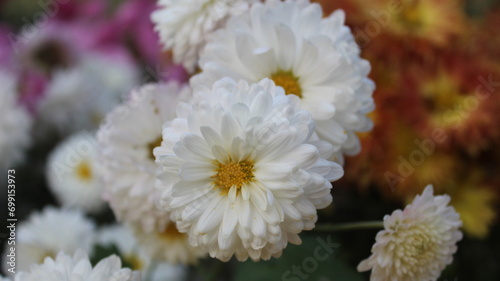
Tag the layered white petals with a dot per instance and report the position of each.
(77, 267)
(49, 232)
(185, 25)
(418, 242)
(260, 131)
(72, 173)
(125, 143)
(293, 37)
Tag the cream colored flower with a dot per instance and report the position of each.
(417, 243)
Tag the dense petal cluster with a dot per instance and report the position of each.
(47, 233)
(310, 56)
(240, 172)
(77, 267)
(418, 242)
(126, 142)
(15, 124)
(185, 25)
(72, 173)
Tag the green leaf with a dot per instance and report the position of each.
(314, 260)
(103, 251)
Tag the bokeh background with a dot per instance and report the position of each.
(436, 64)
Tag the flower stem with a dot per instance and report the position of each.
(349, 226)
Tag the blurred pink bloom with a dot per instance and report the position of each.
(5, 48)
(81, 9)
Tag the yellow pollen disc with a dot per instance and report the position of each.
(84, 171)
(171, 233)
(152, 145)
(232, 174)
(288, 81)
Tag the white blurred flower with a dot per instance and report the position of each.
(418, 242)
(310, 56)
(134, 255)
(78, 98)
(50, 46)
(46, 233)
(237, 171)
(77, 267)
(72, 173)
(126, 142)
(169, 245)
(185, 25)
(15, 124)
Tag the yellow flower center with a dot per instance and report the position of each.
(84, 171)
(288, 81)
(171, 233)
(233, 174)
(152, 145)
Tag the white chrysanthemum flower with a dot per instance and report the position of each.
(238, 173)
(77, 267)
(133, 255)
(79, 98)
(72, 173)
(310, 56)
(417, 243)
(126, 142)
(15, 124)
(185, 25)
(49, 232)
